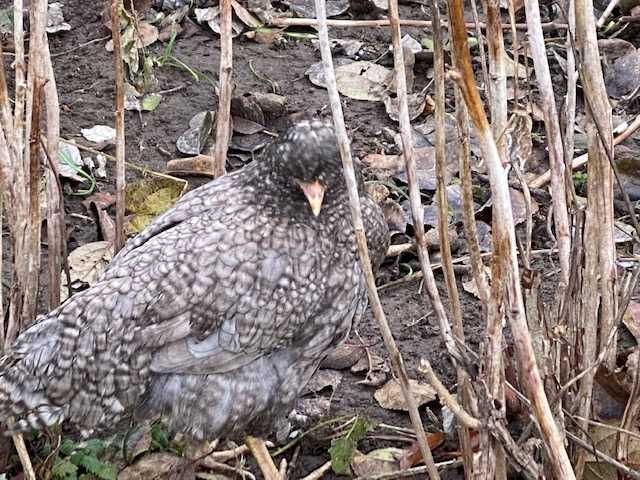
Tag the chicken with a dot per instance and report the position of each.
(216, 316)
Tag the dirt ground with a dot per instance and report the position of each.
(84, 75)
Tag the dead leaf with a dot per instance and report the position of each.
(363, 80)
(100, 135)
(246, 127)
(346, 46)
(86, 263)
(323, 379)
(193, 140)
(383, 161)
(469, 284)
(344, 356)
(159, 465)
(245, 16)
(377, 191)
(376, 462)
(247, 107)
(70, 162)
(315, 72)
(306, 8)
(390, 395)
(394, 215)
(518, 206)
(622, 77)
(133, 39)
(631, 319)
(605, 440)
(55, 19)
(137, 442)
(271, 104)
(419, 103)
(149, 198)
(198, 165)
(412, 456)
(250, 143)
(98, 203)
(211, 16)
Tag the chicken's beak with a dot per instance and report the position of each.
(314, 192)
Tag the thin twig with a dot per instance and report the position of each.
(318, 472)
(312, 22)
(604, 457)
(578, 162)
(607, 11)
(23, 454)
(82, 45)
(460, 413)
(225, 81)
(363, 251)
(116, 6)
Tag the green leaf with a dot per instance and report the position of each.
(150, 102)
(94, 447)
(343, 449)
(159, 437)
(67, 447)
(102, 470)
(63, 469)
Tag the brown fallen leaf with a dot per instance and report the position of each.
(382, 460)
(159, 465)
(198, 165)
(390, 395)
(344, 356)
(412, 456)
(323, 379)
(86, 263)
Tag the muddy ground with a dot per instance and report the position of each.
(84, 75)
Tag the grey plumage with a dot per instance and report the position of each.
(214, 317)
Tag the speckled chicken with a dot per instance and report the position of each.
(217, 315)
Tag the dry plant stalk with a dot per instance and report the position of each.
(20, 173)
(363, 251)
(569, 114)
(443, 229)
(18, 169)
(223, 119)
(505, 262)
(116, 8)
(599, 308)
(554, 137)
(56, 238)
(492, 459)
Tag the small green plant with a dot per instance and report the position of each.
(65, 157)
(168, 59)
(343, 449)
(580, 180)
(83, 461)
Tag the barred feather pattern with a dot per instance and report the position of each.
(215, 317)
